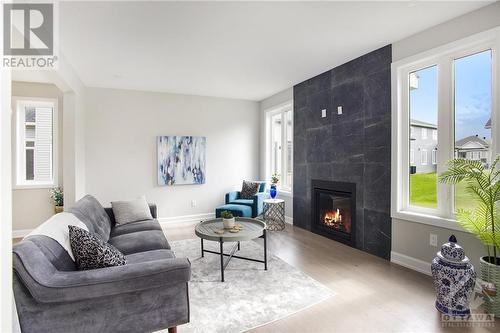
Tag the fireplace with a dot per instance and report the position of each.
(334, 210)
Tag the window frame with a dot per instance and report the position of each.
(434, 156)
(19, 181)
(284, 188)
(443, 57)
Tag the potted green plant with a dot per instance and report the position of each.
(57, 196)
(483, 185)
(227, 219)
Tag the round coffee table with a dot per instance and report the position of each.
(252, 229)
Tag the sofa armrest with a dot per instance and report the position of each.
(231, 196)
(49, 285)
(152, 208)
(258, 203)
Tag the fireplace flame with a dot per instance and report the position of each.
(333, 217)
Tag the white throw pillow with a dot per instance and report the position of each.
(131, 211)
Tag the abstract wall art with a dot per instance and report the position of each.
(181, 160)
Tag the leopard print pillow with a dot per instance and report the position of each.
(92, 252)
(249, 189)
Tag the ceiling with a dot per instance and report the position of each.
(232, 49)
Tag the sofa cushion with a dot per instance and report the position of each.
(90, 212)
(246, 202)
(153, 255)
(122, 229)
(131, 211)
(140, 241)
(91, 252)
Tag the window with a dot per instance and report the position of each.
(424, 133)
(279, 150)
(423, 112)
(450, 91)
(423, 157)
(35, 144)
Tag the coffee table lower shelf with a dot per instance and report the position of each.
(231, 254)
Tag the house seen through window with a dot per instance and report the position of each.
(35, 142)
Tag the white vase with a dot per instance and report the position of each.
(228, 223)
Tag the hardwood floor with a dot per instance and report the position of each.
(372, 295)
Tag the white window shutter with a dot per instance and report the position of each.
(43, 144)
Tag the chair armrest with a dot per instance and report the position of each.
(49, 285)
(152, 208)
(231, 196)
(258, 203)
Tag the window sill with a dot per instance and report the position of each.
(432, 220)
(284, 193)
(32, 186)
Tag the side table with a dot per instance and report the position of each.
(274, 214)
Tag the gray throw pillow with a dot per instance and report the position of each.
(131, 211)
(92, 252)
(249, 189)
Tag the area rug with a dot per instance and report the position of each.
(250, 296)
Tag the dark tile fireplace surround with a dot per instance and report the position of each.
(352, 149)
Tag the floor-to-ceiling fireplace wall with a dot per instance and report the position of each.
(351, 148)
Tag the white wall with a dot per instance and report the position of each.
(40, 205)
(471, 23)
(121, 129)
(411, 239)
(266, 104)
(74, 135)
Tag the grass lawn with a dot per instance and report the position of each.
(423, 192)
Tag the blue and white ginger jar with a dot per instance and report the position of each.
(454, 279)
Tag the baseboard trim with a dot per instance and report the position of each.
(184, 220)
(21, 233)
(166, 222)
(411, 263)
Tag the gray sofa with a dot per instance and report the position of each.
(149, 293)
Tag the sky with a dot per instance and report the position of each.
(473, 100)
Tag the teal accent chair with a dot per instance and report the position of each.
(256, 203)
